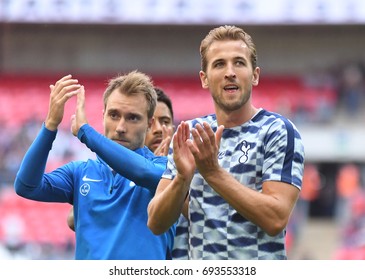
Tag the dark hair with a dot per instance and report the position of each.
(162, 97)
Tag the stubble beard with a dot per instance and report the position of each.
(229, 106)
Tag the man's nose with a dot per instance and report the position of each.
(121, 127)
(230, 72)
(156, 127)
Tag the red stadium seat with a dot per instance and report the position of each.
(38, 222)
(22, 98)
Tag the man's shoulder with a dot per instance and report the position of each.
(148, 154)
(273, 120)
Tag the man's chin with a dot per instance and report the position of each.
(154, 146)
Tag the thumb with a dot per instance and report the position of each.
(73, 125)
(81, 99)
(80, 107)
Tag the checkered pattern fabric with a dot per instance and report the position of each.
(266, 148)
(181, 248)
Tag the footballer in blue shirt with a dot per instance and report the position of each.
(109, 194)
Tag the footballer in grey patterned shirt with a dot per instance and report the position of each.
(242, 167)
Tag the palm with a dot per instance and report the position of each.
(61, 92)
(79, 118)
(184, 161)
(183, 157)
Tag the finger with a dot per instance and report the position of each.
(158, 151)
(169, 131)
(198, 135)
(181, 134)
(64, 78)
(81, 98)
(73, 123)
(164, 131)
(166, 141)
(65, 81)
(186, 131)
(209, 133)
(71, 91)
(175, 139)
(205, 133)
(80, 107)
(65, 85)
(218, 135)
(193, 148)
(163, 148)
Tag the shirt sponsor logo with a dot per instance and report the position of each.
(86, 179)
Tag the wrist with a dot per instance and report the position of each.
(50, 125)
(183, 180)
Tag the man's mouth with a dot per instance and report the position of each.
(157, 141)
(231, 88)
(120, 141)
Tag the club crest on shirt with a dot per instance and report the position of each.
(84, 189)
(245, 147)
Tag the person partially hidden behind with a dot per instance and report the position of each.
(110, 194)
(158, 139)
(241, 167)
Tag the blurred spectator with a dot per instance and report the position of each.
(351, 88)
(311, 187)
(348, 186)
(352, 236)
(15, 141)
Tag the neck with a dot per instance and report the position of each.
(235, 118)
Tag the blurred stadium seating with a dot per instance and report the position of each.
(25, 97)
(32, 221)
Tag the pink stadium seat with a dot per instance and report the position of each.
(38, 221)
(24, 97)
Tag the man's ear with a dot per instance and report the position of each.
(255, 76)
(203, 79)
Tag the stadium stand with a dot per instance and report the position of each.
(31, 221)
(22, 98)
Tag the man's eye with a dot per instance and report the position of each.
(133, 118)
(240, 63)
(113, 115)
